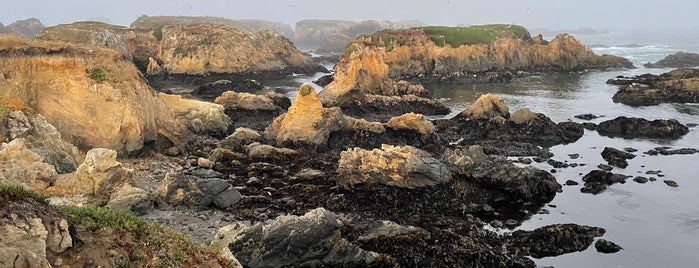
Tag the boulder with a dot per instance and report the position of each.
(488, 107)
(616, 157)
(21, 166)
(677, 60)
(98, 177)
(399, 166)
(606, 246)
(412, 121)
(597, 181)
(313, 239)
(252, 110)
(216, 88)
(199, 116)
(23, 242)
(555, 240)
(240, 138)
(264, 152)
(192, 191)
(631, 127)
(232, 100)
(131, 199)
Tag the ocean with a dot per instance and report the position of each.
(657, 225)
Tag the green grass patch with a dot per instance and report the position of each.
(98, 217)
(479, 34)
(158, 33)
(99, 74)
(10, 193)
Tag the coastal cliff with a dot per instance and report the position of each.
(436, 54)
(92, 95)
(154, 22)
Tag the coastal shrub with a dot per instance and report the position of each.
(98, 74)
(97, 217)
(10, 193)
(158, 33)
(479, 34)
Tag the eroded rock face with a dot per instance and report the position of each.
(412, 121)
(23, 242)
(400, 166)
(199, 116)
(631, 127)
(313, 239)
(680, 85)
(99, 176)
(19, 165)
(110, 106)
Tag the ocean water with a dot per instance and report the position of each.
(657, 225)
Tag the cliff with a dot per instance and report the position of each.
(192, 53)
(92, 95)
(154, 22)
(331, 36)
(371, 63)
(26, 28)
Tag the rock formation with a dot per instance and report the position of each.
(26, 28)
(331, 36)
(155, 22)
(199, 116)
(680, 85)
(21, 166)
(641, 128)
(677, 60)
(91, 95)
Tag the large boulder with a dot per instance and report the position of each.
(91, 95)
(631, 127)
(131, 199)
(399, 166)
(311, 240)
(254, 111)
(214, 89)
(199, 116)
(21, 166)
(412, 121)
(680, 85)
(98, 177)
(597, 181)
(556, 239)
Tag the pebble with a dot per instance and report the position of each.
(252, 181)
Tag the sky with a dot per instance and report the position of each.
(551, 14)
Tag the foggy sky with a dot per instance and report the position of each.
(552, 14)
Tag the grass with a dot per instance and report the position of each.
(158, 33)
(479, 34)
(99, 74)
(11, 193)
(98, 217)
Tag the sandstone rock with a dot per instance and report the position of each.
(199, 193)
(23, 243)
(232, 100)
(641, 128)
(58, 237)
(98, 176)
(313, 239)
(153, 67)
(412, 121)
(487, 107)
(522, 116)
(204, 163)
(130, 199)
(677, 60)
(110, 106)
(240, 138)
(264, 152)
(19, 165)
(400, 166)
(556, 239)
(199, 116)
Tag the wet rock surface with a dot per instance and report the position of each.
(606, 246)
(557, 239)
(597, 181)
(677, 60)
(632, 127)
(677, 86)
(616, 157)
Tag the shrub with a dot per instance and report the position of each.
(9, 193)
(99, 74)
(158, 33)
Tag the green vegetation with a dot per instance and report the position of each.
(9, 193)
(479, 34)
(145, 22)
(205, 42)
(158, 33)
(98, 217)
(99, 74)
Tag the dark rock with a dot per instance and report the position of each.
(190, 191)
(324, 80)
(691, 125)
(311, 240)
(616, 157)
(557, 164)
(606, 246)
(215, 89)
(555, 240)
(605, 167)
(524, 160)
(205, 173)
(679, 85)
(652, 179)
(571, 182)
(677, 60)
(671, 183)
(640, 179)
(597, 181)
(382, 108)
(587, 116)
(630, 150)
(668, 151)
(653, 172)
(574, 156)
(513, 148)
(641, 128)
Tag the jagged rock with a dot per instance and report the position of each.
(26, 28)
(131, 199)
(98, 177)
(199, 116)
(251, 110)
(400, 166)
(501, 175)
(240, 138)
(199, 193)
(488, 107)
(556, 239)
(641, 128)
(23, 242)
(616, 157)
(216, 88)
(597, 181)
(412, 121)
(388, 229)
(264, 152)
(680, 85)
(233, 100)
(43, 139)
(313, 239)
(677, 60)
(19, 165)
(606, 246)
(153, 68)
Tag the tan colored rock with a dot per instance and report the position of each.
(153, 67)
(199, 116)
(487, 107)
(364, 125)
(400, 166)
(58, 238)
(23, 242)
(19, 165)
(205, 163)
(522, 116)
(109, 106)
(257, 151)
(245, 101)
(240, 138)
(131, 200)
(98, 177)
(412, 121)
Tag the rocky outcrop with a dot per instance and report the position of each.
(631, 127)
(199, 116)
(680, 85)
(677, 60)
(399, 166)
(21, 166)
(489, 118)
(606, 246)
(41, 138)
(130, 199)
(155, 22)
(331, 36)
(557, 239)
(313, 239)
(216, 88)
(616, 157)
(91, 95)
(597, 181)
(196, 192)
(26, 28)
(255, 111)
